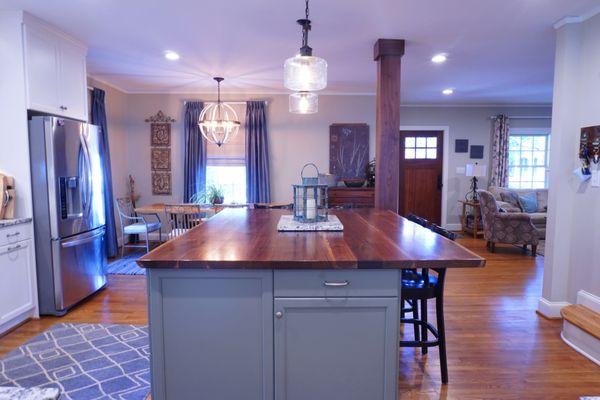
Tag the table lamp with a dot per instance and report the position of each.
(474, 171)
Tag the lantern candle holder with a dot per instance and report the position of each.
(310, 198)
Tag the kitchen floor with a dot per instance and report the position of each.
(498, 347)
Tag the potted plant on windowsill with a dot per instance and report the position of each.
(215, 194)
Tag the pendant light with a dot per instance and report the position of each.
(304, 73)
(218, 121)
(304, 103)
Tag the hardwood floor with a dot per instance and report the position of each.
(498, 347)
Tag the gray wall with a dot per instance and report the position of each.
(294, 139)
(573, 254)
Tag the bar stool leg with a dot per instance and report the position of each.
(415, 308)
(424, 327)
(439, 310)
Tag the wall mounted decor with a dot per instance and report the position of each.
(589, 148)
(476, 152)
(160, 152)
(160, 134)
(161, 183)
(160, 159)
(461, 146)
(349, 150)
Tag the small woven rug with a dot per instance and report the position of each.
(83, 361)
(126, 265)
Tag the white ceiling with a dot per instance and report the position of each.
(501, 51)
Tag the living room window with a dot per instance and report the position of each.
(226, 165)
(528, 156)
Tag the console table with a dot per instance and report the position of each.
(355, 197)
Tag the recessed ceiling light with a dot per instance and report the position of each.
(448, 91)
(439, 58)
(171, 55)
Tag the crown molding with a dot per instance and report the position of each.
(577, 19)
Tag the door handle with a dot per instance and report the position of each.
(76, 242)
(336, 284)
(439, 182)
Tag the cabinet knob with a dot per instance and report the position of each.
(279, 314)
(63, 108)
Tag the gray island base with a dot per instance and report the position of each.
(273, 334)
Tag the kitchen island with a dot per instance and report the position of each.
(238, 310)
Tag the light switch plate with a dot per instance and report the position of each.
(460, 170)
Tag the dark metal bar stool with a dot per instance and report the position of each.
(420, 287)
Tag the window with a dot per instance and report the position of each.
(226, 165)
(419, 148)
(528, 160)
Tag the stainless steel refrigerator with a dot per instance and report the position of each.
(68, 203)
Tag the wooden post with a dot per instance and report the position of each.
(388, 54)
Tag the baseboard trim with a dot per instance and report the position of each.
(577, 348)
(551, 309)
(589, 300)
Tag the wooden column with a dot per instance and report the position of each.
(388, 54)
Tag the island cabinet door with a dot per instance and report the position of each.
(211, 334)
(336, 348)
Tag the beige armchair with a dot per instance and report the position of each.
(511, 228)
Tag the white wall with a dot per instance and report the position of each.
(298, 139)
(14, 139)
(573, 234)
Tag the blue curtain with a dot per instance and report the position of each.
(99, 119)
(195, 153)
(258, 188)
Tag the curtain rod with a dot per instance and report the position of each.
(235, 102)
(526, 117)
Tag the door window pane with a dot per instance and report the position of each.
(432, 154)
(409, 142)
(431, 142)
(409, 154)
(420, 153)
(421, 142)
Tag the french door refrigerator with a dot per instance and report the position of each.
(68, 203)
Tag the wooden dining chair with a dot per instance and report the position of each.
(183, 217)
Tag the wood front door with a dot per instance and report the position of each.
(421, 155)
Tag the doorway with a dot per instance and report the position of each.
(421, 174)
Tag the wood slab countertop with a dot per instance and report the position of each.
(242, 238)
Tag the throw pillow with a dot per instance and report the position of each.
(529, 202)
(507, 207)
(510, 196)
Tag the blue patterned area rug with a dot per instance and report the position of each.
(84, 361)
(126, 265)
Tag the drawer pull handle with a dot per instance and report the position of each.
(336, 284)
(13, 234)
(14, 248)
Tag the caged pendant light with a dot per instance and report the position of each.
(304, 73)
(218, 121)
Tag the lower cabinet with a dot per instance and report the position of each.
(17, 288)
(336, 348)
(211, 334)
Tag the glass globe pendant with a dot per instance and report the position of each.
(218, 121)
(304, 103)
(305, 72)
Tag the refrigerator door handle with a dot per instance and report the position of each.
(88, 177)
(77, 242)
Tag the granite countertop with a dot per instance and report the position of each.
(16, 221)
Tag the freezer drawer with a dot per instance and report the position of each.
(79, 267)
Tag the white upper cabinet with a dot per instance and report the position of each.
(55, 71)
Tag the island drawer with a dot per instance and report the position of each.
(336, 283)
